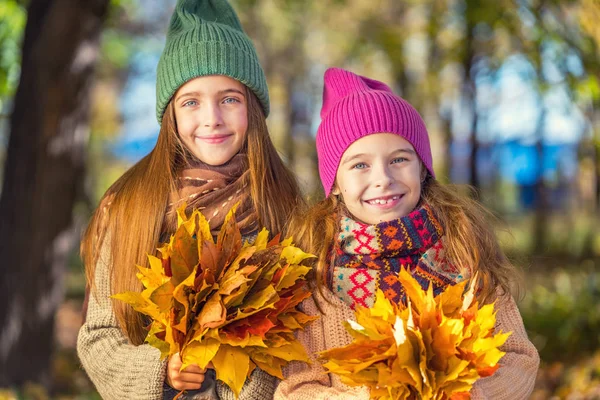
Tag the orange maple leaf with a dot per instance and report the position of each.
(225, 302)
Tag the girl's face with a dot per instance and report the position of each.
(379, 178)
(212, 117)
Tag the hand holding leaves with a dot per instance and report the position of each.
(224, 302)
(433, 348)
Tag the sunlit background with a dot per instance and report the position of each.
(510, 94)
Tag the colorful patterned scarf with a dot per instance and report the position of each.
(369, 257)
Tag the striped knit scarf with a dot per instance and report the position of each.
(369, 257)
(214, 190)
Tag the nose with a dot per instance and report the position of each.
(382, 176)
(211, 116)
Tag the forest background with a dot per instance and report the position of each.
(509, 90)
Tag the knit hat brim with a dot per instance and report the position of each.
(209, 58)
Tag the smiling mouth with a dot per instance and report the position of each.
(385, 200)
(214, 138)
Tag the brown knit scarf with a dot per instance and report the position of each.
(214, 190)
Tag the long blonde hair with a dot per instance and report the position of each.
(133, 208)
(470, 239)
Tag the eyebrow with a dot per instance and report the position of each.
(359, 155)
(220, 93)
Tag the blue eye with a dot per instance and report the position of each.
(190, 103)
(361, 165)
(399, 160)
(231, 100)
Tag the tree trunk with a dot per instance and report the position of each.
(43, 177)
(434, 65)
(469, 93)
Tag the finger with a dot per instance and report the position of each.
(174, 361)
(194, 369)
(188, 377)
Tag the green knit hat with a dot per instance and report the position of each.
(205, 37)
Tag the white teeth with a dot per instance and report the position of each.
(384, 201)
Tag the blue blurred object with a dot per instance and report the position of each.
(521, 164)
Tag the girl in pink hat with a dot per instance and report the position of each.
(385, 210)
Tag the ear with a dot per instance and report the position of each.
(335, 191)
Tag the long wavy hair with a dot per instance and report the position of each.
(470, 238)
(131, 213)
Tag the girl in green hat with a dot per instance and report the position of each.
(213, 151)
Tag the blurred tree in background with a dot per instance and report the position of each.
(510, 92)
(43, 176)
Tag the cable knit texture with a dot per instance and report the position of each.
(514, 380)
(120, 370)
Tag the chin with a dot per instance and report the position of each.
(214, 162)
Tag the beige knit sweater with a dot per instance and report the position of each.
(122, 371)
(514, 380)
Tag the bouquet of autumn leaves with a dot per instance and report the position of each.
(432, 348)
(228, 303)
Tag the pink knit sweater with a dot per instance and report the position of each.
(514, 380)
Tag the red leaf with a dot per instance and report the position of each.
(178, 337)
(489, 371)
(166, 263)
(468, 315)
(260, 327)
(461, 396)
(466, 355)
(278, 275)
(299, 294)
(229, 244)
(281, 305)
(274, 241)
(208, 262)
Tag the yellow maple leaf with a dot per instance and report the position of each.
(222, 301)
(269, 364)
(153, 340)
(154, 276)
(199, 353)
(232, 365)
(288, 352)
(430, 348)
(213, 312)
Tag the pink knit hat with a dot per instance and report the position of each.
(354, 107)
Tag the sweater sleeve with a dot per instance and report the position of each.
(515, 378)
(259, 386)
(311, 382)
(118, 369)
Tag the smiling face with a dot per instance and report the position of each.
(212, 117)
(379, 178)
